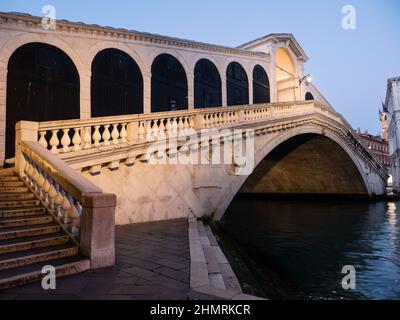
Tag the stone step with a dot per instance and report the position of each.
(18, 259)
(13, 189)
(29, 231)
(6, 197)
(16, 245)
(26, 221)
(19, 204)
(9, 178)
(21, 212)
(33, 273)
(11, 184)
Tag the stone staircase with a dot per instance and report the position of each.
(30, 238)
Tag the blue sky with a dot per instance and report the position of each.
(350, 67)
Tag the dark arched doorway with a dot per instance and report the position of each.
(309, 96)
(169, 88)
(42, 85)
(237, 86)
(117, 84)
(207, 85)
(261, 93)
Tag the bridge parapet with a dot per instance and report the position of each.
(95, 142)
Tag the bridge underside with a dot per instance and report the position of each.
(306, 164)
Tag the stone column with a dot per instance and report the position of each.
(147, 93)
(224, 91)
(250, 76)
(190, 80)
(3, 98)
(85, 98)
(98, 229)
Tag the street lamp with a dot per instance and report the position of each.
(307, 78)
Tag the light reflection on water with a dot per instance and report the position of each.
(306, 244)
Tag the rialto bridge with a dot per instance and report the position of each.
(123, 108)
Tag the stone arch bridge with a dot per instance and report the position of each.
(294, 148)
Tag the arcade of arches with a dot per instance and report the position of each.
(43, 85)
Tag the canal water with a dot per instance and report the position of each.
(297, 249)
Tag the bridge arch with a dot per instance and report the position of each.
(116, 84)
(43, 84)
(169, 84)
(237, 84)
(207, 85)
(364, 186)
(261, 87)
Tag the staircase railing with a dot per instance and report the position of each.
(80, 207)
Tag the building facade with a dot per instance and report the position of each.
(378, 146)
(392, 104)
(78, 71)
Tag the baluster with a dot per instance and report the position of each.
(174, 126)
(58, 199)
(52, 195)
(155, 129)
(65, 141)
(161, 129)
(76, 140)
(115, 134)
(191, 122)
(54, 141)
(149, 136)
(168, 126)
(46, 188)
(106, 135)
(180, 126)
(87, 138)
(74, 216)
(142, 131)
(96, 136)
(123, 133)
(186, 124)
(42, 140)
(65, 205)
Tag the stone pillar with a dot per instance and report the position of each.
(3, 98)
(190, 80)
(147, 93)
(24, 131)
(85, 99)
(250, 76)
(224, 91)
(98, 229)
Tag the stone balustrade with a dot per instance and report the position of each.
(81, 208)
(123, 139)
(75, 135)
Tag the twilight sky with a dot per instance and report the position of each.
(350, 67)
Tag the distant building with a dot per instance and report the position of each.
(378, 146)
(392, 107)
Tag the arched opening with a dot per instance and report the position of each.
(207, 85)
(169, 88)
(117, 84)
(261, 93)
(306, 164)
(237, 85)
(285, 76)
(309, 96)
(42, 85)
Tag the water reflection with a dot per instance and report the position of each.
(306, 244)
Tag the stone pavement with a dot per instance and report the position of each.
(152, 262)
